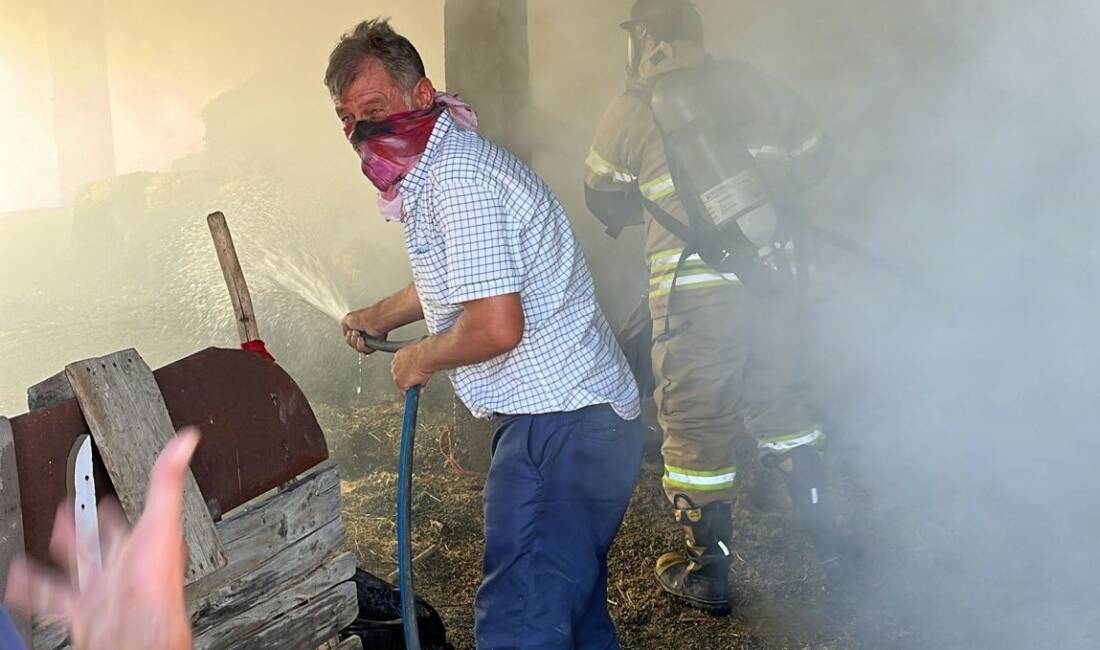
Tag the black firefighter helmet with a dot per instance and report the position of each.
(664, 20)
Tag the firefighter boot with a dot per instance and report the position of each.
(804, 470)
(700, 575)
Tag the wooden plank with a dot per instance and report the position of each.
(302, 525)
(234, 278)
(309, 625)
(252, 536)
(238, 597)
(50, 636)
(50, 392)
(233, 625)
(265, 581)
(11, 517)
(351, 643)
(130, 425)
(297, 506)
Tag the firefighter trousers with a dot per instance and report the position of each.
(730, 378)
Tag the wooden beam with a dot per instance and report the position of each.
(255, 534)
(49, 392)
(130, 425)
(229, 627)
(298, 510)
(234, 278)
(309, 625)
(11, 517)
(269, 579)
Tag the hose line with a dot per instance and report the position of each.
(404, 521)
(382, 345)
(404, 498)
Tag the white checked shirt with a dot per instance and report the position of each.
(479, 223)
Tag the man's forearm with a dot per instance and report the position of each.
(398, 310)
(486, 329)
(459, 346)
(482, 332)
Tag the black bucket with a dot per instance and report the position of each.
(379, 620)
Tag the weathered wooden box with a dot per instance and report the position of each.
(262, 515)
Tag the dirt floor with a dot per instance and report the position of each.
(785, 599)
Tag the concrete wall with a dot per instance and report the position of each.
(578, 60)
(487, 63)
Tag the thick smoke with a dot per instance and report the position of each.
(965, 394)
(961, 391)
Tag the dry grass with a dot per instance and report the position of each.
(783, 601)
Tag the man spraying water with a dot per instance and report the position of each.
(510, 307)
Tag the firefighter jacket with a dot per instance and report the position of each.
(627, 158)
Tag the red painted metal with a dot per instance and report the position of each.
(259, 432)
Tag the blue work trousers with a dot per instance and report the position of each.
(557, 490)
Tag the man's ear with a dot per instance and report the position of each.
(423, 95)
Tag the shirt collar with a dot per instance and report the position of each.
(414, 181)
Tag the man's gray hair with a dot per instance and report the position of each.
(373, 38)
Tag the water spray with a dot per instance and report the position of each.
(250, 340)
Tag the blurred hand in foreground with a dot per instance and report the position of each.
(136, 601)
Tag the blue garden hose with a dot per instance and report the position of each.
(404, 501)
(404, 521)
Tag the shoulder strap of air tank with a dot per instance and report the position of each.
(678, 228)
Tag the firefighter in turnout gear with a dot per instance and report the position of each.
(725, 164)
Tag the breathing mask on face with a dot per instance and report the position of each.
(635, 47)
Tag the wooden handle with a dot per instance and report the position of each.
(234, 278)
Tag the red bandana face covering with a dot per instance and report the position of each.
(390, 150)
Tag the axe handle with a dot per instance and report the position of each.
(234, 278)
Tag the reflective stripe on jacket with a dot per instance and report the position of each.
(628, 149)
(693, 274)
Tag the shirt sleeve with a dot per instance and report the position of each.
(481, 242)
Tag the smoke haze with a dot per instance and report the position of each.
(962, 392)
